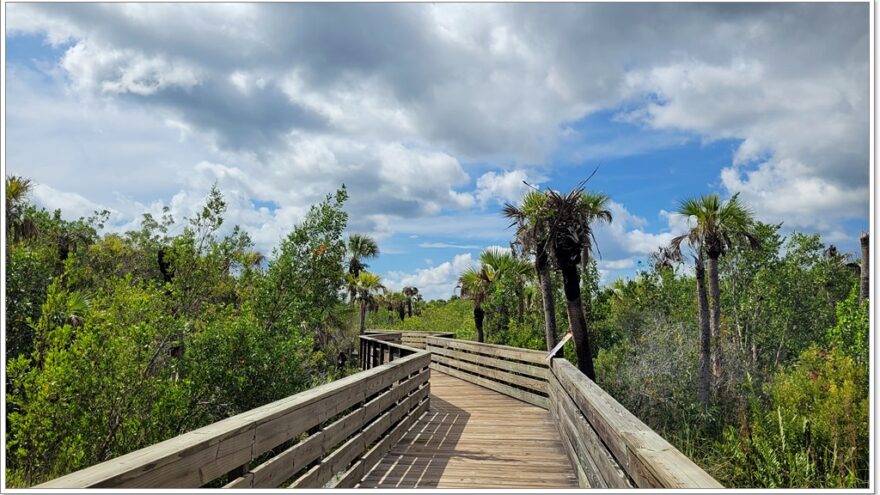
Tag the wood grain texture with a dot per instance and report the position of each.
(474, 437)
(502, 351)
(513, 392)
(647, 458)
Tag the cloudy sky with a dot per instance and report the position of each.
(433, 115)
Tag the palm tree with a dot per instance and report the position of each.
(717, 227)
(569, 233)
(359, 247)
(502, 264)
(366, 285)
(672, 254)
(17, 190)
(594, 208)
(475, 283)
(410, 292)
(397, 302)
(864, 273)
(531, 220)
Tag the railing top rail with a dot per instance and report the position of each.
(529, 355)
(646, 456)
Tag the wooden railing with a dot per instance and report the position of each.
(333, 435)
(415, 339)
(607, 445)
(519, 373)
(329, 436)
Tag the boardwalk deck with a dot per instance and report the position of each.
(473, 437)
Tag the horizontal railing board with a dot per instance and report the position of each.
(647, 458)
(585, 441)
(540, 373)
(491, 373)
(340, 459)
(360, 469)
(284, 465)
(503, 351)
(516, 393)
(199, 456)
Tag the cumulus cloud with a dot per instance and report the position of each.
(396, 100)
(436, 282)
(507, 186)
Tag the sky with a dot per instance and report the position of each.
(434, 115)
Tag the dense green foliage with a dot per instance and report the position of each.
(118, 341)
(790, 409)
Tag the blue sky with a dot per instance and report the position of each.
(433, 115)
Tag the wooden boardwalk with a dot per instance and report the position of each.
(473, 437)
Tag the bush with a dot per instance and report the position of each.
(813, 433)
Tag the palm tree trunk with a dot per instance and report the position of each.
(547, 295)
(864, 279)
(520, 302)
(363, 325)
(478, 321)
(715, 315)
(409, 307)
(587, 298)
(705, 346)
(572, 285)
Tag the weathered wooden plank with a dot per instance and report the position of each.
(475, 437)
(351, 477)
(281, 467)
(296, 420)
(502, 351)
(648, 459)
(583, 457)
(244, 481)
(493, 374)
(339, 460)
(516, 393)
(587, 440)
(540, 373)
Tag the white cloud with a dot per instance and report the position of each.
(443, 245)
(507, 186)
(396, 100)
(437, 282)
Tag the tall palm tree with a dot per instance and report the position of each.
(531, 221)
(398, 303)
(475, 283)
(672, 254)
(366, 285)
(410, 293)
(569, 233)
(17, 190)
(864, 270)
(359, 247)
(717, 226)
(594, 207)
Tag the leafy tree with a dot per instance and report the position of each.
(303, 282)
